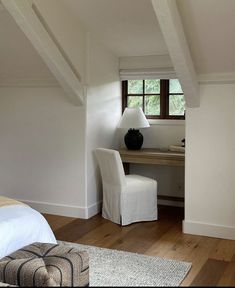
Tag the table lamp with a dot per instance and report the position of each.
(133, 119)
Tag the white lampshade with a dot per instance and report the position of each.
(133, 118)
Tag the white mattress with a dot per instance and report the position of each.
(20, 226)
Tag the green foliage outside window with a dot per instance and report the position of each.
(152, 86)
(152, 105)
(135, 87)
(135, 101)
(176, 105)
(175, 86)
(176, 102)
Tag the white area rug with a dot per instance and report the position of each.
(118, 268)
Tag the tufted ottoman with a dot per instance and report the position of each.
(45, 265)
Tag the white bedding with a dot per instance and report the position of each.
(20, 226)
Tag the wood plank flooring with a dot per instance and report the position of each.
(213, 259)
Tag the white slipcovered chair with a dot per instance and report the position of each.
(126, 198)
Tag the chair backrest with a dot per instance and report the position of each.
(111, 167)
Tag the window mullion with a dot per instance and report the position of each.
(124, 95)
(163, 99)
(167, 97)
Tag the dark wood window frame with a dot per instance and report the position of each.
(164, 100)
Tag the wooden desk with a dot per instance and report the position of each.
(155, 157)
(152, 156)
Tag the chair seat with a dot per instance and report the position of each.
(139, 199)
(137, 181)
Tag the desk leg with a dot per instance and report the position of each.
(126, 167)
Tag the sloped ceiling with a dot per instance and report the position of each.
(18, 59)
(209, 27)
(126, 27)
(130, 28)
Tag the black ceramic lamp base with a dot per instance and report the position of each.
(133, 139)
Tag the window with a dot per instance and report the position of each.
(159, 99)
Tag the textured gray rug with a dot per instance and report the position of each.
(118, 268)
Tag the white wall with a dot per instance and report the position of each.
(170, 179)
(103, 114)
(42, 144)
(210, 158)
(47, 143)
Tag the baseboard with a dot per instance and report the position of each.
(170, 203)
(210, 230)
(94, 209)
(64, 210)
(80, 212)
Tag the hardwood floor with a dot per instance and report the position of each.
(213, 259)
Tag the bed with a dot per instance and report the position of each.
(20, 225)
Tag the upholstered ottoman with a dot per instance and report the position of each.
(45, 265)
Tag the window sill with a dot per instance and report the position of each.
(166, 122)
